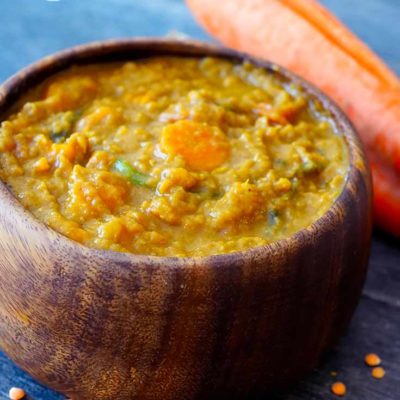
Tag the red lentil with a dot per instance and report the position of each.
(16, 393)
(338, 389)
(372, 360)
(378, 372)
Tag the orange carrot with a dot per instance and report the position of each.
(386, 196)
(307, 39)
(201, 146)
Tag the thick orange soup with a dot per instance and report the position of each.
(172, 156)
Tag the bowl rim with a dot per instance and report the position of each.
(101, 51)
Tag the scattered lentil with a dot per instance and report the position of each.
(378, 372)
(16, 393)
(338, 389)
(372, 360)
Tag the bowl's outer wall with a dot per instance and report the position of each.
(101, 325)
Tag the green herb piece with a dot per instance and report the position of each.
(310, 166)
(272, 217)
(295, 184)
(312, 162)
(279, 163)
(63, 126)
(206, 192)
(59, 137)
(133, 175)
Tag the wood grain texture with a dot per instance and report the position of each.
(374, 327)
(105, 325)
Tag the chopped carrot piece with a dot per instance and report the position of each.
(201, 146)
(41, 165)
(339, 389)
(99, 116)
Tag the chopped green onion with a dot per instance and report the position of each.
(206, 192)
(59, 137)
(133, 175)
(272, 217)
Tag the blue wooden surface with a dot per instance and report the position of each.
(30, 29)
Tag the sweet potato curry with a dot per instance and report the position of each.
(172, 156)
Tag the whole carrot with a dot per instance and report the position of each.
(307, 39)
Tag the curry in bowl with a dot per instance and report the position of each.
(173, 156)
(184, 156)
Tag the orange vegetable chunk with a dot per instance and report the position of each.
(203, 147)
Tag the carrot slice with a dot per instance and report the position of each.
(306, 38)
(202, 147)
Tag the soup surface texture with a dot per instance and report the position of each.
(172, 156)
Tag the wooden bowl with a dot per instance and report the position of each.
(104, 325)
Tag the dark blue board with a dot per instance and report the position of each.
(30, 29)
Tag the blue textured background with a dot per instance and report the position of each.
(30, 29)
